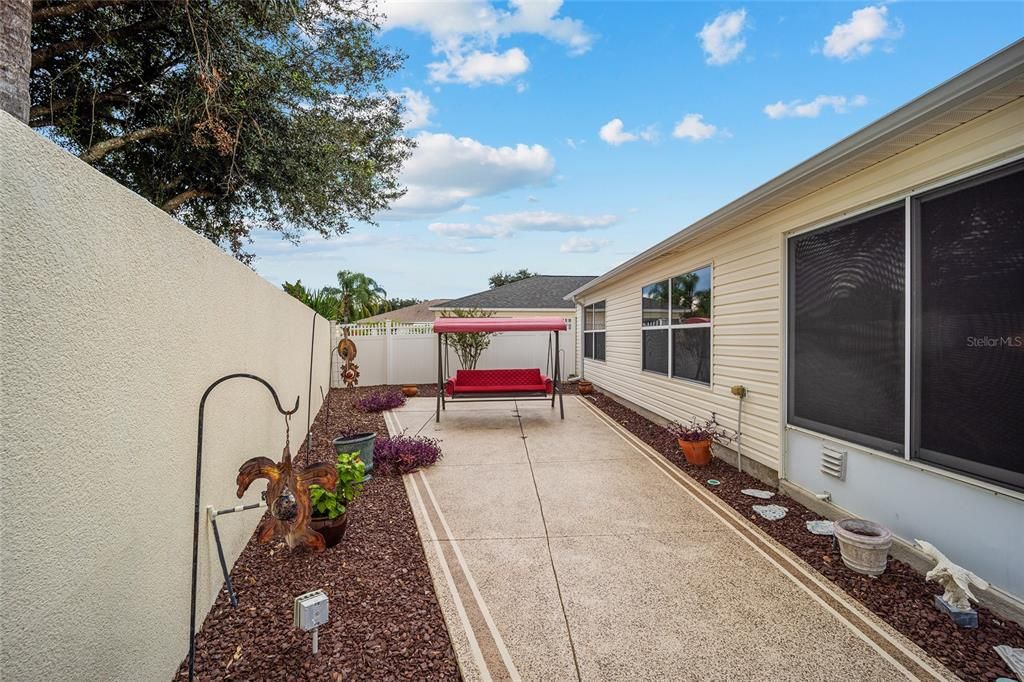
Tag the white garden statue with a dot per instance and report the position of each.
(956, 580)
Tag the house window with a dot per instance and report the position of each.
(655, 327)
(676, 326)
(846, 336)
(691, 326)
(968, 347)
(593, 331)
(848, 341)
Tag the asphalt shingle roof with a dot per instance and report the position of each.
(537, 292)
(419, 312)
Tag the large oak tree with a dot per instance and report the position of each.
(231, 115)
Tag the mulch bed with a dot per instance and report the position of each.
(385, 620)
(900, 596)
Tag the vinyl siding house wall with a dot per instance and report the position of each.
(968, 125)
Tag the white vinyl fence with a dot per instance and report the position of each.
(406, 353)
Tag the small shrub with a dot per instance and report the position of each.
(332, 503)
(381, 399)
(397, 455)
(701, 429)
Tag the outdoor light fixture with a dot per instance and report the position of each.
(310, 612)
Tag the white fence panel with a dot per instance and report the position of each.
(407, 353)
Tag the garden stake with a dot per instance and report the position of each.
(199, 480)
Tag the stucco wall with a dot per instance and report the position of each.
(115, 318)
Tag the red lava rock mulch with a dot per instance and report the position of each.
(385, 620)
(900, 596)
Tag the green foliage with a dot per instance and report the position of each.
(396, 303)
(324, 301)
(230, 115)
(499, 279)
(333, 503)
(468, 346)
(359, 296)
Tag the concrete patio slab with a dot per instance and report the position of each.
(556, 566)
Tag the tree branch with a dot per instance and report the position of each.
(174, 203)
(43, 55)
(101, 149)
(69, 8)
(41, 111)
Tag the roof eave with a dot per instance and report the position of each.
(1000, 68)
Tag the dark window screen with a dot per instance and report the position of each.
(691, 354)
(656, 350)
(847, 330)
(598, 345)
(971, 341)
(588, 345)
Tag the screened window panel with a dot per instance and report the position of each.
(588, 345)
(655, 356)
(847, 330)
(691, 296)
(655, 305)
(588, 317)
(598, 345)
(691, 354)
(971, 342)
(599, 315)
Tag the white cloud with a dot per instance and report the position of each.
(857, 36)
(801, 109)
(418, 108)
(481, 22)
(693, 127)
(582, 245)
(613, 132)
(477, 68)
(721, 40)
(503, 225)
(445, 172)
(467, 32)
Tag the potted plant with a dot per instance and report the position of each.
(585, 387)
(696, 436)
(330, 507)
(359, 443)
(410, 390)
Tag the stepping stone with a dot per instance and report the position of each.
(762, 494)
(1014, 658)
(772, 512)
(820, 527)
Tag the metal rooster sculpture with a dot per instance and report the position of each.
(288, 496)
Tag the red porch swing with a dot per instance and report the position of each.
(494, 385)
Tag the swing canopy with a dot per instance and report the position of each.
(461, 325)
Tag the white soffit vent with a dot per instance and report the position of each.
(833, 462)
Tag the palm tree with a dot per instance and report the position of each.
(360, 296)
(15, 56)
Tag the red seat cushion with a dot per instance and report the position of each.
(498, 381)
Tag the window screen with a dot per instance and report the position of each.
(656, 350)
(846, 337)
(593, 331)
(970, 342)
(691, 353)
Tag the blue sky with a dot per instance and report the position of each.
(566, 138)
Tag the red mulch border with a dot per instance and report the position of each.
(385, 621)
(900, 596)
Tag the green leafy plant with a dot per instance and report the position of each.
(333, 503)
(469, 346)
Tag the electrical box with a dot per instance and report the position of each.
(311, 610)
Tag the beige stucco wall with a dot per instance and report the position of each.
(747, 285)
(114, 320)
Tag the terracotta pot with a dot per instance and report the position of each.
(333, 530)
(697, 452)
(585, 387)
(410, 390)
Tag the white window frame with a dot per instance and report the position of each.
(602, 330)
(670, 327)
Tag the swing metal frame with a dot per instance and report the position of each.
(458, 325)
